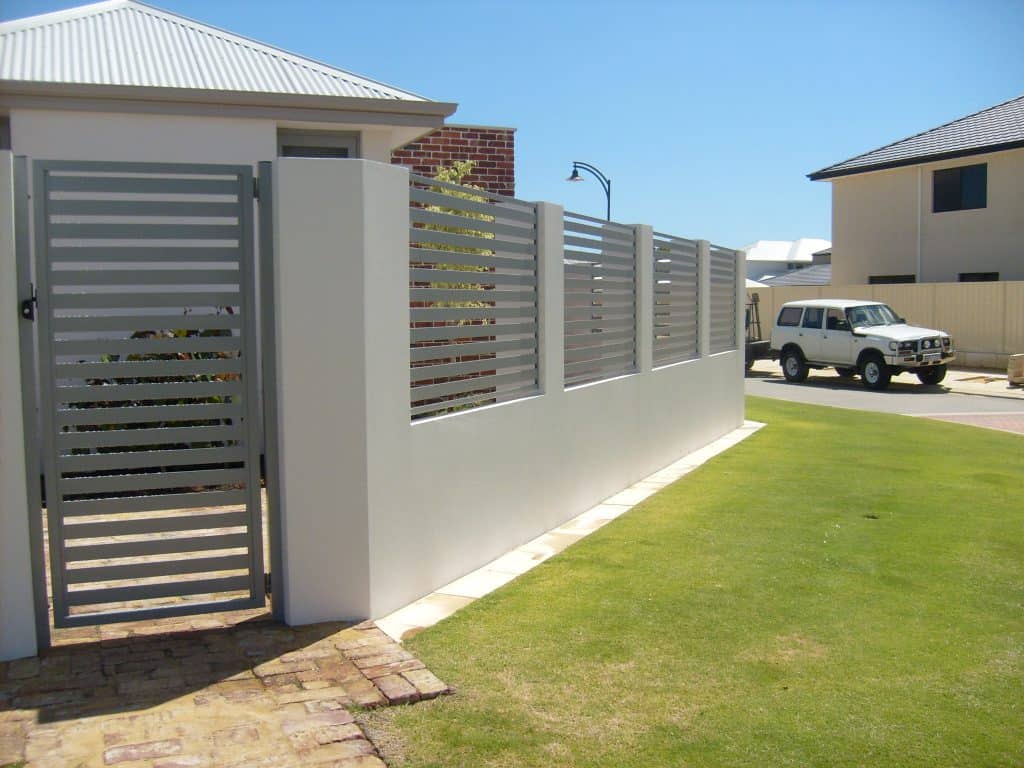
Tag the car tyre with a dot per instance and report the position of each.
(875, 373)
(933, 375)
(794, 367)
(846, 373)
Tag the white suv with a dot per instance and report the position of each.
(864, 337)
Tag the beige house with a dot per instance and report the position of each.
(946, 205)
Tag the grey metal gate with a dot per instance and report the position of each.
(149, 400)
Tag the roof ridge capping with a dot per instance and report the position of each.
(322, 69)
(850, 166)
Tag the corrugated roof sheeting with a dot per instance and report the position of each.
(128, 43)
(995, 126)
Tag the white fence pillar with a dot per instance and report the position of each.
(342, 296)
(551, 297)
(644, 297)
(17, 611)
(704, 297)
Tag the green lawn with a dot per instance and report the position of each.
(841, 589)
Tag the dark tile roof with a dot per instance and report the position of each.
(990, 130)
(819, 274)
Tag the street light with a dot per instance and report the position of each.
(606, 183)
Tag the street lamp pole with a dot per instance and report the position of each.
(606, 183)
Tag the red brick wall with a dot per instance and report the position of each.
(491, 149)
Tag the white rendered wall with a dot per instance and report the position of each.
(379, 511)
(17, 612)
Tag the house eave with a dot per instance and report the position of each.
(42, 95)
(825, 174)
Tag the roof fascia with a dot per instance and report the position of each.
(825, 174)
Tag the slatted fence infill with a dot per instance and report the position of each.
(600, 299)
(473, 297)
(723, 299)
(676, 299)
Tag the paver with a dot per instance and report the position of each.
(252, 695)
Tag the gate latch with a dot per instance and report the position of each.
(28, 306)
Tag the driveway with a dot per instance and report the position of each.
(953, 400)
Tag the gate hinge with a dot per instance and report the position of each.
(256, 187)
(266, 583)
(28, 306)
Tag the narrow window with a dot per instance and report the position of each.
(979, 277)
(812, 317)
(960, 189)
(790, 316)
(890, 279)
(5, 133)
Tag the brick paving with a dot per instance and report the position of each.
(1006, 422)
(203, 693)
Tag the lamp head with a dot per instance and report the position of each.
(575, 176)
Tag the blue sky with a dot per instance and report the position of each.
(706, 116)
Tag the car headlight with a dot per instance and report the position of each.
(947, 341)
(908, 346)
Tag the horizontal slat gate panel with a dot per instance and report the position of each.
(600, 299)
(462, 328)
(723, 278)
(153, 263)
(675, 315)
(155, 569)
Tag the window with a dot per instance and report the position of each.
(890, 279)
(979, 277)
(330, 144)
(812, 317)
(837, 320)
(5, 133)
(790, 316)
(960, 189)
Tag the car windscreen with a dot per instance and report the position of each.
(871, 314)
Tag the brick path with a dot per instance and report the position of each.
(254, 695)
(1007, 422)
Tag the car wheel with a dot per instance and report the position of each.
(932, 375)
(794, 367)
(875, 373)
(847, 373)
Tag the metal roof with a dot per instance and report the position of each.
(990, 130)
(128, 43)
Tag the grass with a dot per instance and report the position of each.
(841, 589)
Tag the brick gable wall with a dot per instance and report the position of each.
(491, 149)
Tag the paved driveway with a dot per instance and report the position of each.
(904, 396)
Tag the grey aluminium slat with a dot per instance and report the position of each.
(498, 245)
(30, 389)
(471, 348)
(525, 212)
(572, 217)
(430, 391)
(604, 246)
(151, 481)
(136, 231)
(600, 312)
(148, 437)
(437, 218)
(144, 414)
(160, 568)
(471, 294)
(144, 277)
(445, 370)
(148, 345)
(221, 253)
(604, 232)
(138, 185)
(156, 503)
(156, 547)
(141, 299)
(78, 207)
(583, 326)
(421, 255)
(605, 366)
(500, 396)
(149, 525)
(151, 591)
(441, 314)
(112, 393)
(190, 322)
(453, 332)
(163, 612)
(420, 275)
(148, 369)
(95, 462)
(601, 352)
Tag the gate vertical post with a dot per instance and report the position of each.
(704, 297)
(18, 636)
